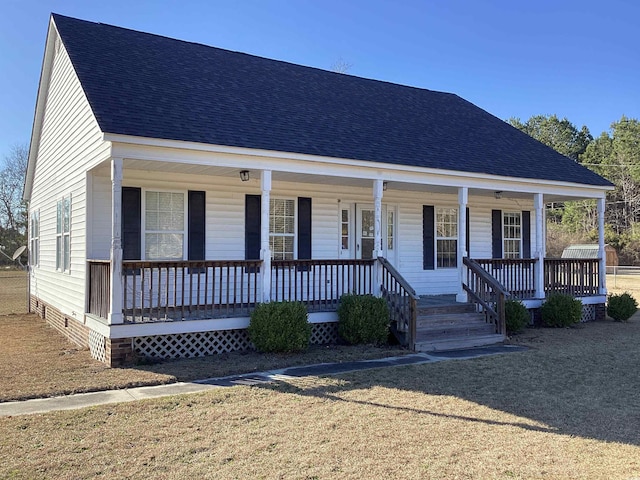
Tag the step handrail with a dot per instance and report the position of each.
(487, 292)
(401, 299)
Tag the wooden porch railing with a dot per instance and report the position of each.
(168, 290)
(320, 283)
(485, 291)
(517, 276)
(99, 297)
(579, 277)
(401, 299)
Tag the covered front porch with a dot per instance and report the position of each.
(253, 238)
(166, 291)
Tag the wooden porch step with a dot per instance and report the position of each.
(458, 308)
(454, 330)
(449, 319)
(458, 343)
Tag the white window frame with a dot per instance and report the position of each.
(293, 235)
(345, 224)
(143, 221)
(390, 233)
(63, 237)
(34, 238)
(439, 211)
(508, 240)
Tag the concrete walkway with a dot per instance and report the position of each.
(82, 400)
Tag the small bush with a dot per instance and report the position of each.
(561, 310)
(517, 315)
(363, 319)
(280, 327)
(621, 307)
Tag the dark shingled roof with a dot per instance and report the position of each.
(152, 86)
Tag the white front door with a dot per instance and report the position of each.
(365, 231)
(357, 230)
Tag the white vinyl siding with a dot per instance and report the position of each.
(226, 204)
(70, 143)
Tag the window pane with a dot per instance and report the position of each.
(390, 220)
(59, 218)
(345, 229)
(282, 226)
(447, 253)
(67, 252)
(151, 220)
(58, 252)
(163, 246)
(66, 214)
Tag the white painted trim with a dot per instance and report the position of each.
(115, 254)
(134, 148)
(594, 300)
(265, 247)
(601, 251)
(188, 326)
(463, 200)
(539, 254)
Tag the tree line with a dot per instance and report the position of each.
(614, 155)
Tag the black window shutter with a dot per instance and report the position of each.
(252, 227)
(197, 200)
(496, 233)
(526, 234)
(304, 228)
(131, 223)
(468, 229)
(428, 245)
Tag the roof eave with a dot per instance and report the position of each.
(462, 175)
(41, 100)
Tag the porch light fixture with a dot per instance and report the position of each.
(497, 194)
(244, 175)
(384, 186)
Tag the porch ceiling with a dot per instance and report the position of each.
(178, 168)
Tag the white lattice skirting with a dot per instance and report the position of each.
(187, 345)
(588, 313)
(98, 346)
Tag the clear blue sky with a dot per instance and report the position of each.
(579, 59)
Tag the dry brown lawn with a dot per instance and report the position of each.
(567, 408)
(13, 291)
(36, 361)
(624, 283)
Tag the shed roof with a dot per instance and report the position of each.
(147, 85)
(584, 251)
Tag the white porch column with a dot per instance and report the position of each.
(601, 252)
(540, 250)
(115, 256)
(378, 187)
(463, 199)
(265, 251)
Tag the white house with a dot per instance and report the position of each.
(173, 185)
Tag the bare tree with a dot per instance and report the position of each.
(341, 66)
(13, 211)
